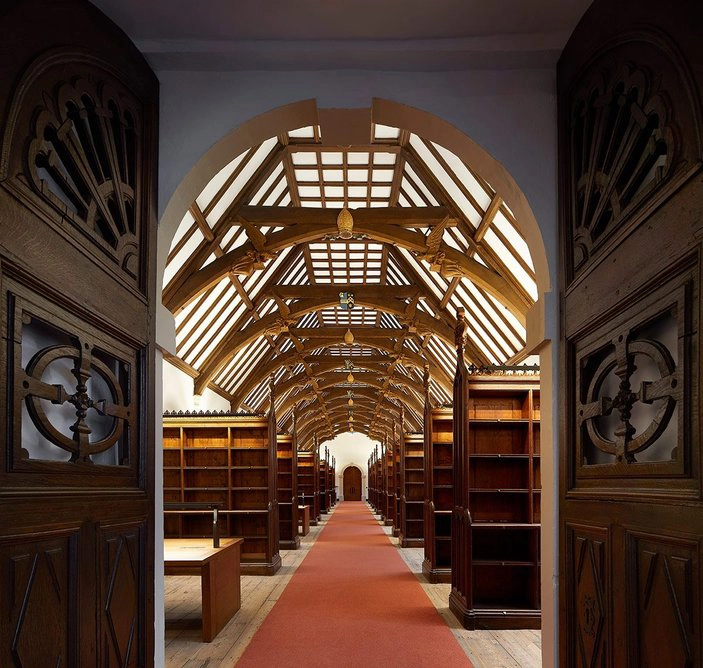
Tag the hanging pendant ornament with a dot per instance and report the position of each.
(345, 224)
(348, 337)
(350, 378)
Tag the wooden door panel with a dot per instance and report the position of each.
(39, 598)
(631, 224)
(663, 591)
(77, 295)
(122, 551)
(352, 484)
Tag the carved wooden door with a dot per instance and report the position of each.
(631, 218)
(77, 241)
(352, 484)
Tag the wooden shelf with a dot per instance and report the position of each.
(228, 460)
(501, 456)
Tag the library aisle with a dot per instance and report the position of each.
(353, 602)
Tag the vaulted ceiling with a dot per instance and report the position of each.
(347, 311)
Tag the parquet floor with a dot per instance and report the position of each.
(486, 649)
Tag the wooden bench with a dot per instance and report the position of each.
(218, 568)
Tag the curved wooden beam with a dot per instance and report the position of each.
(370, 377)
(366, 222)
(363, 336)
(276, 323)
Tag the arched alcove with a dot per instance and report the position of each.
(284, 120)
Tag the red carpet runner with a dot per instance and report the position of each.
(353, 602)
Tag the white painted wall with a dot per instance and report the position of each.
(351, 449)
(178, 393)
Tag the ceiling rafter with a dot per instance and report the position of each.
(414, 259)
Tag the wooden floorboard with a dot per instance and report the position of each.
(184, 649)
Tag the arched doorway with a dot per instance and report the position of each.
(297, 123)
(352, 484)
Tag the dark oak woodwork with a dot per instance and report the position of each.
(496, 575)
(77, 277)
(230, 460)
(631, 223)
(287, 491)
(352, 484)
(412, 500)
(439, 495)
(307, 487)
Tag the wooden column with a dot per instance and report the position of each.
(460, 599)
(272, 549)
(427, 564)
(399, 478)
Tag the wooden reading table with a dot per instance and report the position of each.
(304, 519)
(218, 568)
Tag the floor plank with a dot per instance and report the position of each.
(184, 649)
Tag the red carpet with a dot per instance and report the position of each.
(353, 602)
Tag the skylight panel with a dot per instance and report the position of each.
(358, 175)
(334, 191)
(307, 132)
(385, 132)
(331, 158)
(183, 255)
(186, 223)
(274, 176)
(307, 175)
(357, 158)
(490, 307)
(241, 180)
(464, 174)
(303, 158)
(214, 330)
(358, 191)
(333, 175)
(311, 204)
(383, 158)
(217, 181)
(309, 191)
(276, 193)
(207, 305)
(202, 355)
(514, 238)
(410, 195)
(488, 326)
(381, 191)
(511, 263)
(420, 184)
(382, 175)
(447, 182)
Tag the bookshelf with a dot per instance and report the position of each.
(397, 492)
(307, 489)
(412, 500)
(323, 490)
(501, 565)
(389, 484)
(228, 459)
(287, 488)
(439, 495)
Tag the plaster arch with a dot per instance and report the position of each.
(305, 112)
(542, 318)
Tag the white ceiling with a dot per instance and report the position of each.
(363, 34)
